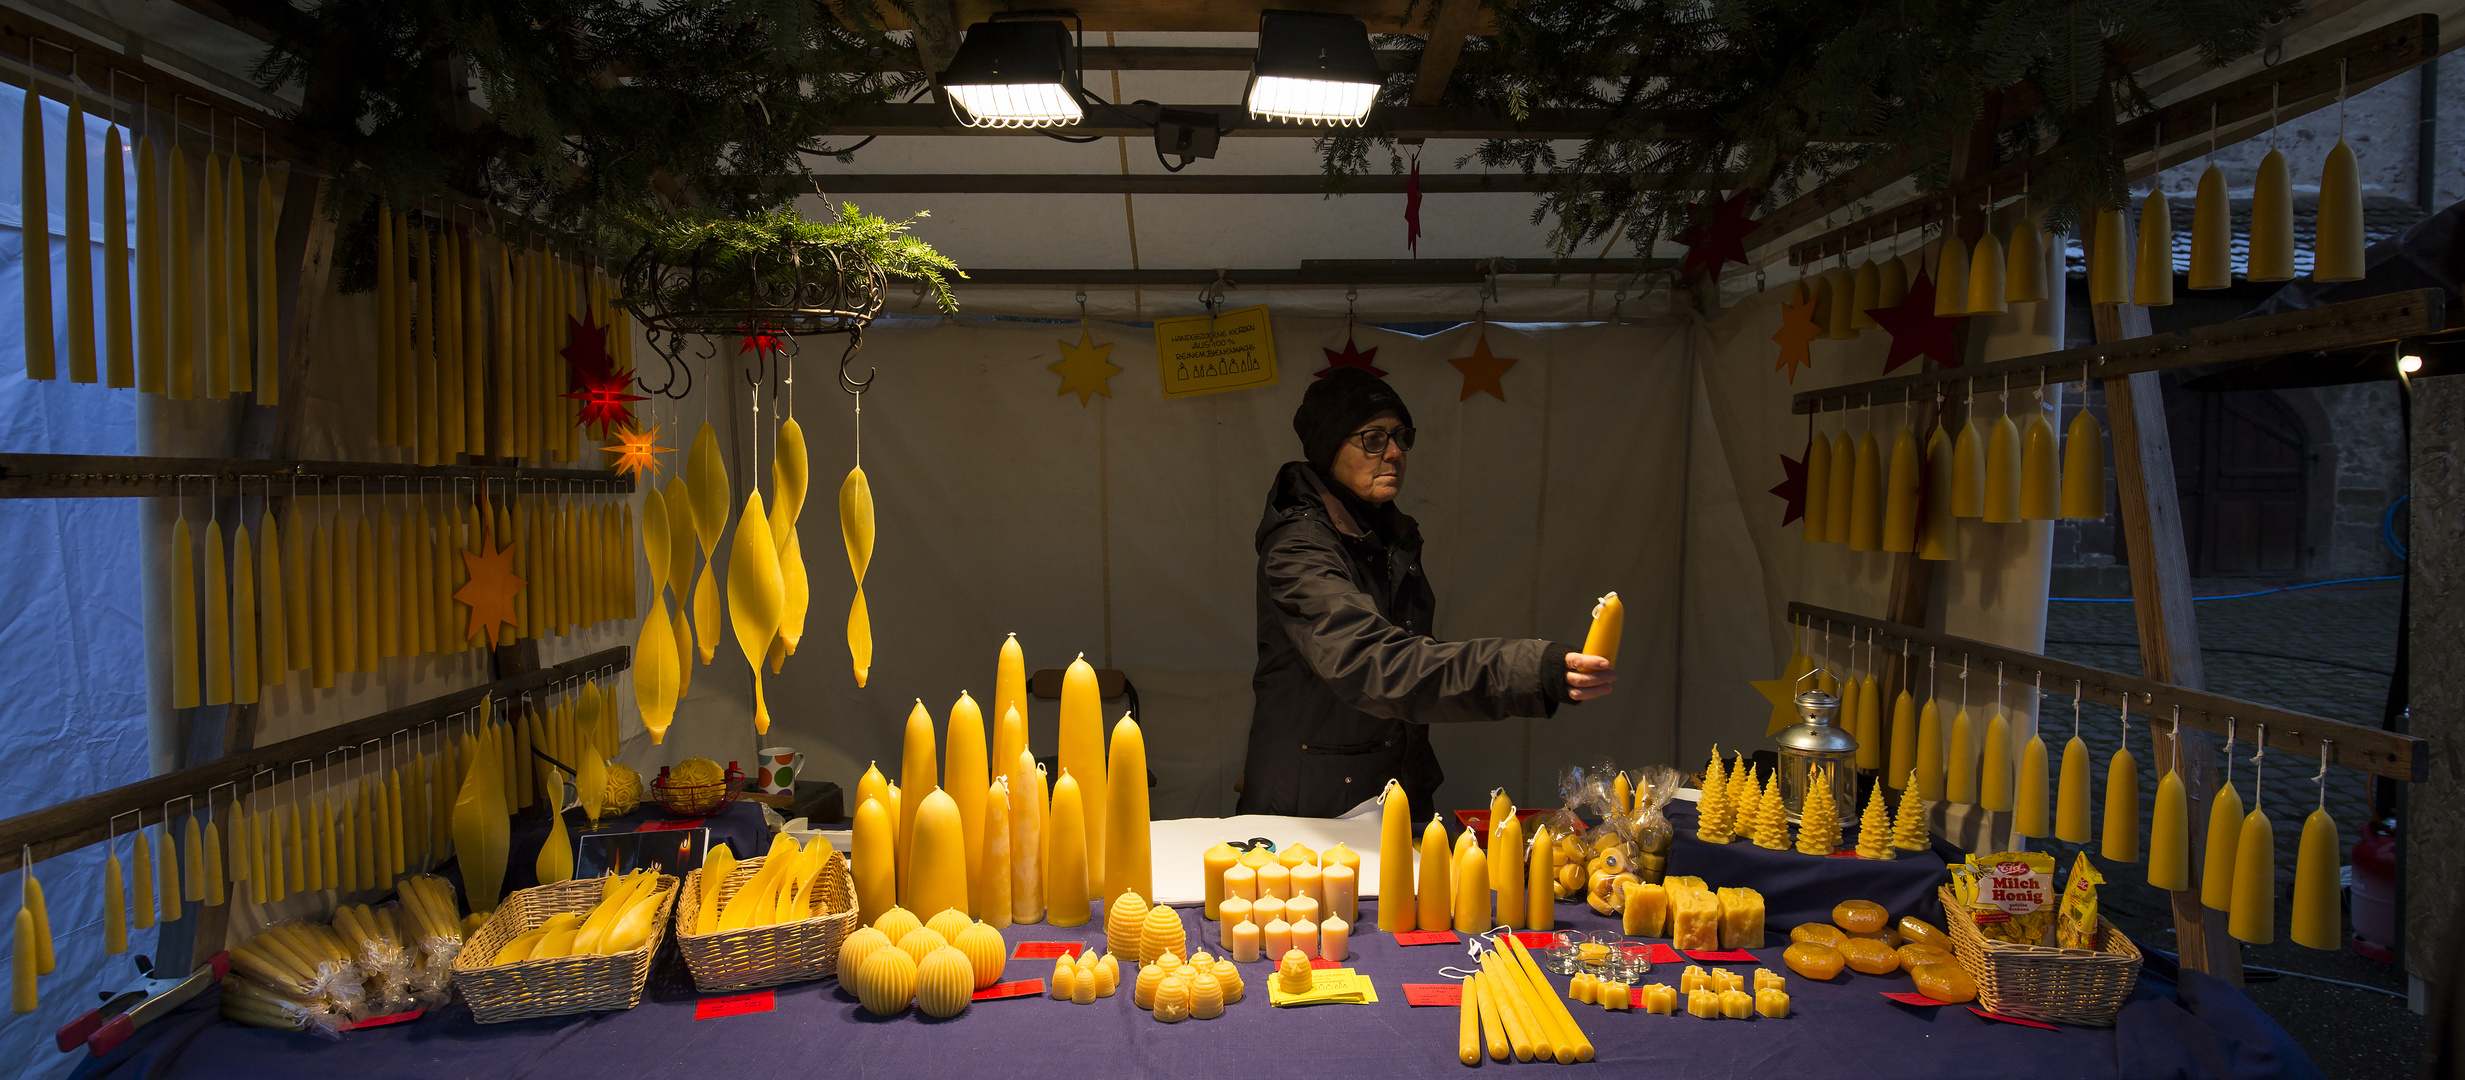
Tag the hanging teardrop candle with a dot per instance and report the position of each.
(2212, 233)
(1891, 282)
(2225, 817)
(1866, 496)
(1951, 276)
(1903, 493)
(2041, 473)
(2336, 248)
(2254, 916)
(1968, 470)
(2122, 816)
(1865, 294)
(1994, 781)
(1986, 285)
(2109, 266)
(1903, 755)
(1836, 324)
(2152, 279)
(2024, 263)
(2084, 467)
(2316, 923)
(2169, 836)
(1930, 752)
(1938, 531)
(2029, 802)
(2272, 222)
(2003, 472)
(2071, 794)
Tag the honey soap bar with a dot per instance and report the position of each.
(1741, 919)
(1694, 920)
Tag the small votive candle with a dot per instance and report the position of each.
(1307, 881)
(1276, 939)
(1235, 911)
(1246, 942)
(1275, 879)
(1334, 939)
(1341, 886)
(1241, 881)
(1305, 937)
(1266, 909)
(1301, 909)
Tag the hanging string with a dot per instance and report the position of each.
(2341, 62)
(2229, 746)
(2076, 686)
(2258, 767)
(2322, 778)
(2175, 736)
(2125, 745)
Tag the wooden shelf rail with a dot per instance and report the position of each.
(78, 822)
(104, 476)
(2369, 749)
(2352, 324)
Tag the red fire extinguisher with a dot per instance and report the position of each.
(2375, 890)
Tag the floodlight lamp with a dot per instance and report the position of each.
(1313, 69)
(1020, 74)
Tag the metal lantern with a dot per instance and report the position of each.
(1817, 742)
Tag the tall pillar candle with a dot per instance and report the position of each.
(1960, 763)
(2029, 803)
(1903, 755)
(1396, 908)
(2122, 816)
(1506, 848)
(965, 774)
(2254, 915)
(1540, 880)
(1083, 753)
(873, 852)
(1212, 864)
(1994, 780)
(1126, 865)
(2316, 922)
(988, 881)
(919, 773)
(2071, 795)
(1930, 753)
(1027, 811)
(1009, 703)
(1434, 910)
(1065, 855)
(2225, 818)
(2169, 836)
(1472, 892)
(937, 857)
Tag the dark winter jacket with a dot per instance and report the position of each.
(1348, 672)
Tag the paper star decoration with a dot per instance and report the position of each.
(1792, 488)
(1916, 330)
(1083, 368)
(490, 591)
(1782, 693)
(593, 380)
(1718, 234)
(761, 343)
(1797, 333)
(637, 451)
(1482, 370)
(1352, 356)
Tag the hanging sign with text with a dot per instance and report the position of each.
(1232, 350)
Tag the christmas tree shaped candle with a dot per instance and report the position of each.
(1910, 831)
(1771, 817)
(1818, 830)
(1715, 817)
(1874, 828)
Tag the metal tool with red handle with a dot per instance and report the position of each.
(103, 1028)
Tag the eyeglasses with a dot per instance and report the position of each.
(1373, 441)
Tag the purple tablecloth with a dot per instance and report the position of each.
(2197, 1027)
(1801, 888)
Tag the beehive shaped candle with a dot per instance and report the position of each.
(2002, 505)
(2169, 836)
(1161, 934)
(1891, 284)
(1206, 996)
(1125, 927)
(2121, 840)
(2272, 222)
(2029, 802)
(1396, 909)
(1866, 496)
(1903, 493)
(937, 856)
(2337, 250)
(1937, 532)
(2109, 260)
(1836, 323)
(2225, 824)
(2316, 922)
(2024, 263)
(1436, 897)
(2212, 233)
(1994, 786)
(2152, 279)
(1818, 520)
(2253, 917)
(945, 982)
(1864, 292)
(1960, 760)
(1951, 276)
(1986, 287)
(1968, 471)
(2041, 475)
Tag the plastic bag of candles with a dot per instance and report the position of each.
(2075, 923)
(297, 976)
(2009, 894)
(374, 938)
(430, 929)
(1649, 789)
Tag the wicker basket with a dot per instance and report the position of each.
(558, 985)
(769, 955)
(2035, 982)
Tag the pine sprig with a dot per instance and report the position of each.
(724, 243)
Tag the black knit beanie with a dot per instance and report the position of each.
(1336, 406)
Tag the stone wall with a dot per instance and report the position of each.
(2434, 819)
(2380, 123)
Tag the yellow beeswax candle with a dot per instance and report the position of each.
(937, 856)
(993, 900)
(1213, 862)
(1937, 530)
(1818, 520)
(1986, 286)
(1903, 740)
(2109, 259)
(1083, 756)
(246, 670)
(966, 770)
(217, 619)
(2272, 221)
(1126, 862)
(1951, 275)
(2084, 468)
(1540, 882)
(1009, 695)
(1930, 752)
(1437, 894)
(115, 907)
(1994, 783)
(1470, 877)
(2029, 802)
(1960, 764)
(1871, 742)
(1028, 811)
(2337, 249)
(2253, 917)
(1468, 1024)
(1065, 855)
(2024, 263)
(2071, 796)
(2169, 835)
(1891, 283)
(78, 218)
(1840, 515)
(22, 996)
(45, 957)
(2225, 825)
(269, 350)
(875, 862)
(1275, 938)
(1506, 848)
(1866, 495)
(2003, 472)
(2316, 922)
(2121, 841)
(1867, 286)
(1397, 909)
(1968, 483)
(919, 768)
(2212, 233)
(1836, 326)
(185, 691)
(1902, 493)
(2041, 473)
(1274, 879)
(41, 359)
(2152, 278)
(1608, 628)
(1308, 883)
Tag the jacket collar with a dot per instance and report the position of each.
(1299, 492)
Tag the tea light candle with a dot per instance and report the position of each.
(1342, 888)
(1275, 879)
(1217, 860)
(1305, 937)
(1244, 941)
(1276, 939)
(1335, 938)
(1308, 881)
(1300, 909)
(1240, 881)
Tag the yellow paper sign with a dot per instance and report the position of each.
(1233, 350)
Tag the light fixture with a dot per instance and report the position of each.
(1313, 69)
(1015, 74)
(2409, 363)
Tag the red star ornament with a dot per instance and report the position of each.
(586, 354)
(1718, 234)
(637, 452)
(764, 343)
(1797, 333)
(592, 379)
(1482, 370)
(1352, 356)
(1916, 330)
(490, 591)
(1792, 487)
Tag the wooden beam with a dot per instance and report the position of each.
(1172, 58)
(1315, 184)
(2351, 324)
(74, 824)
(1222, 16)
(937, 26)
(104, 476)
(1328, 272)
(56, 51)
(1447, 30)
(1139, 122)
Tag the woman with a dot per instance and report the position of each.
(1348, 673)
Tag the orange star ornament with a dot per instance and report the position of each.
(637, 451)
(490, 591)
(1797, 333)
(1482, 370)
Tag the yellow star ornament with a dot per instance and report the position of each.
(637, 451)
(1083, 368)
(1797, 333)
(1482, 370)
(490, 591)
(1782, 693)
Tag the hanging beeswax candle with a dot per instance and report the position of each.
(1891, 283)
(235, 266)
(1902, 493)
(2121, 841)
(2109, 265)
(2071, 796)
(2337, 249)
(2152, 278)
(2253, 917)
(2315, 884)
(77, 216)
(1937, 529)
(2029, 802)
(709, 488)
(1986, 287)
(1836, 325)
(1930, 752)
(2024, 263)
(34, 210)
(1818, 489)
(1903, 756)
(2272, 222)
(1960, 763)
(1065, 856)
(1865, 287)
(193, 861)
(269, 348)
(1951, 275)
(1968, 474)
(1127, 868)
(1840, 512)
(1866, 495)
(2041, 475)
(2003, 472)
(1396, 909)
(182, 310)
(1871, 742)
(1435, 908)
(170, 892)
(217, 282)
(217, 619)
(1994, 786)
(2212, 233)
(184, 679)
(115, 906)
(2169, 836)
(2225, 824)
(755, 598)
(246, 671)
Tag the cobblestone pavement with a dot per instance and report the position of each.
(2326, 651)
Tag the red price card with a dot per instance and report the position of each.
(759, 1001)
(1849, 854)
(1320, 963)
(1045, 950)
(1538, 939)
(1433, 993)
(1656, 953)
(1426, 937)
(381, 1021)
(670, 826)
(1913, 999)
(1733, 956)
(1024, 988)
(2012, 1019)
(1634, 998)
